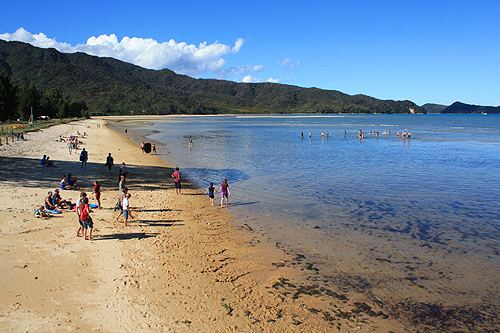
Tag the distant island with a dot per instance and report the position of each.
(106, 86)
(459, 107)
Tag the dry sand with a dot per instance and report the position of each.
(182, 265)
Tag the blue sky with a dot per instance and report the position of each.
(424, 51)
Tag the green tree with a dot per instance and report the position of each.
(8, 98)
(52, 103)
(29, 97)
(78, 109)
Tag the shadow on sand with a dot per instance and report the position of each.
(123, 236)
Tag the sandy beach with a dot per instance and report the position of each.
(181, 266)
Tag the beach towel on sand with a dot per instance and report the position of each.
(52, 211)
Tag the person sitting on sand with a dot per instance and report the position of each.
(49, 163)
(58, 201)
(46, 161)
(49, 202)
(40, 213)
(64, 184)
(72, 180)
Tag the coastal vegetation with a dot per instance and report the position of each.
(17, 102)
(93, 85)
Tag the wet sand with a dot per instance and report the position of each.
(182, 265)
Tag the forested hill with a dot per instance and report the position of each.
(110, 86)
(459, 107)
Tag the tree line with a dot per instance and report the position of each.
(16, 102)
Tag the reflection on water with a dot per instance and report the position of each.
(426, 207)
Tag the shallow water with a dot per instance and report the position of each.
(379, 203)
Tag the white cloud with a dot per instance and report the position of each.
(290, 65)
(284, 62)
(250, 79)
(239, 70)
(180, 57)
(273, 80)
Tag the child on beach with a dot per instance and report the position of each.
(79, 232)
(177, 181)
(86, 219)
(97, 192)
(126, 208)
(40, 213)
(224, 193)
(210, 192)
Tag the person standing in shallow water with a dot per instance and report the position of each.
(224, 193)
(177, 181)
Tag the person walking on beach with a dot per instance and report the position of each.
(122, 172)
(210, 192)
(177, 181)
(224, 193)
(126, 208)
(97, 192)
(110, 162)
(79, 232)
(84, 157)
(119, 204)
(154, 148)
(86, 219)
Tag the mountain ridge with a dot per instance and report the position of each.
(111, 86)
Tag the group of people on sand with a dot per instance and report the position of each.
(151, 145)
(223, 190)
(72, 141)
(47, 162)
(53, 204)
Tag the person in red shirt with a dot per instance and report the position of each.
(97, 192)
(177, 181)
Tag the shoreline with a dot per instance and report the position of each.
(170, 270)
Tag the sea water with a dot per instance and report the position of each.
(381, 203)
